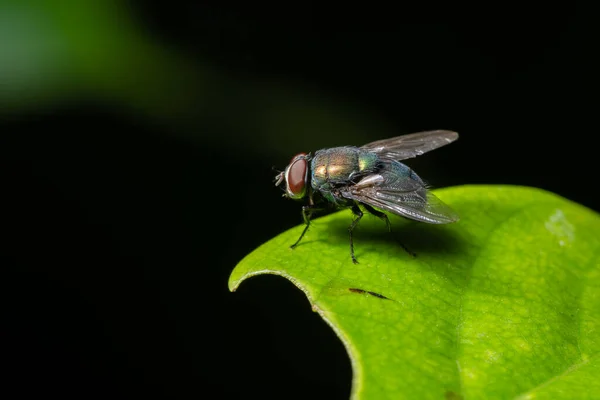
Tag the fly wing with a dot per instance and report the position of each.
(412, 145)
(401, 196)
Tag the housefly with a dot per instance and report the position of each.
(369, 178)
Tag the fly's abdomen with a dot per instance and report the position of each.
(399, 176)
(403, 170)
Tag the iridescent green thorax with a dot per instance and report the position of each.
(339, 165)
(367, 161)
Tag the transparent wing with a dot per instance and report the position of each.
(412, 145)
(401, 196)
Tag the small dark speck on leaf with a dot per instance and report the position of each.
(379, 296)
(356, 290)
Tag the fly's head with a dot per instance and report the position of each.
(295, 177)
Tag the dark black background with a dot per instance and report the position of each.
(119, 236)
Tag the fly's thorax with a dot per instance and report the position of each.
(334, 165)
(367, 161)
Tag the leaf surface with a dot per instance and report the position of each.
(503, 304)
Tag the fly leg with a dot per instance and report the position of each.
(380, 215)
(307, 212)
(358, 215)
(384, 216)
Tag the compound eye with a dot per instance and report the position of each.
(296, 176)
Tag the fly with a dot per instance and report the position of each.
(369, 178)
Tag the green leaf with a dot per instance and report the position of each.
(503, 304)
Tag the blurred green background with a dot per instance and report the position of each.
(137, 146)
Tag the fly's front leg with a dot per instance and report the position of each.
(358, 215)
(307, 212)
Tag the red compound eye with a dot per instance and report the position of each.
(296, 176)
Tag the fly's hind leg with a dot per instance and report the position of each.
(384, 217)
(307, 212)
(358, 215)
(380, 215)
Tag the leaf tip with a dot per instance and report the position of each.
(234, 281)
